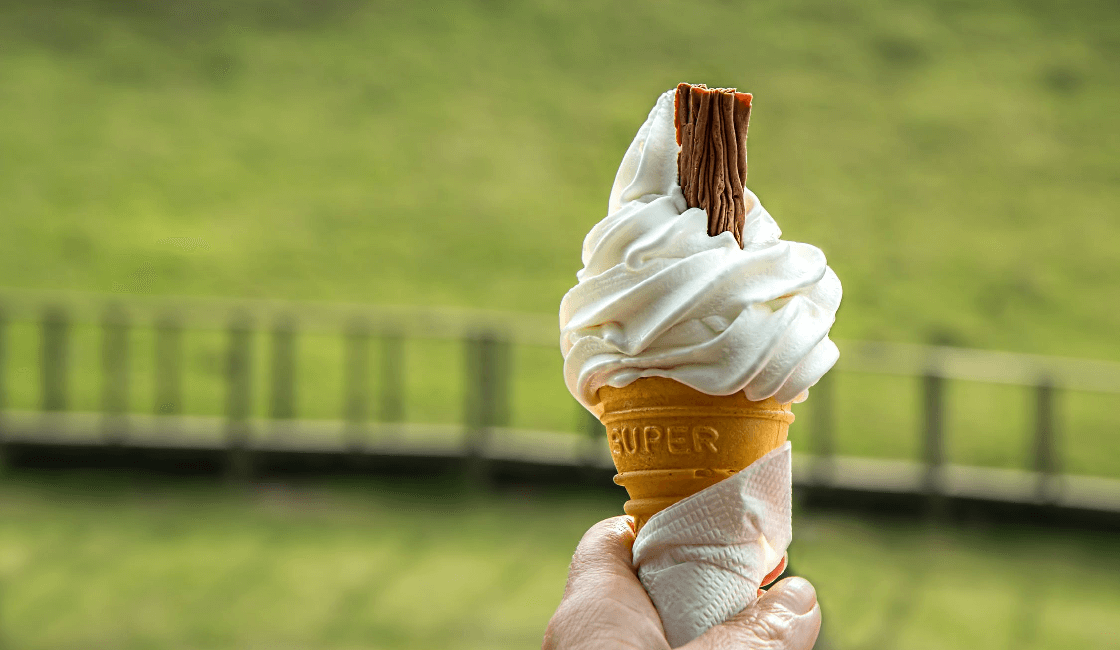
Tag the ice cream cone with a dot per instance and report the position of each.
(669, 441)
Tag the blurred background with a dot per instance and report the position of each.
(278, 295)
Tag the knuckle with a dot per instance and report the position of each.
(769, 627)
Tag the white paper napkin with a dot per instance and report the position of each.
(703, 558)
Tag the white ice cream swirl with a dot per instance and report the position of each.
(658, 297)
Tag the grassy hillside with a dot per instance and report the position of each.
(955, 160)
(409, 566)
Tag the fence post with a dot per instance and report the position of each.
(1046, 462)
(357, 383)
(487, 405)
(3, 385)
(238, 398)
(114, 374)
(169, 379)
(54, 362)
(282, 396)
(595, 434)
(392, 378)
(822, 431)
(933, 430)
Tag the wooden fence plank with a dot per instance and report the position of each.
(54, 361)
(356, 383)
(392, 378)
(169, 366)
(1045, 456)
(114, 374)
(486, 397)
(238, 397)
(282, 393)
(933, 443)
(822, 433)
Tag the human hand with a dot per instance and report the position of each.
(605, 606)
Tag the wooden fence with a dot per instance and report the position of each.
(487, 339)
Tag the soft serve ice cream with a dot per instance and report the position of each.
(689, 347)
(659, 297)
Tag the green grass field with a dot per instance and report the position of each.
(955, 160)
(93, 562)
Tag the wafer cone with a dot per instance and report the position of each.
(669, 441)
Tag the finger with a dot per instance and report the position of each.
(603, 554)
(603, 600)
(773, 575)
(786, 617)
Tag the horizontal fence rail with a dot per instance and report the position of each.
(904, 359)
(378, 424)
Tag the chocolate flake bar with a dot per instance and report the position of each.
(712, 164)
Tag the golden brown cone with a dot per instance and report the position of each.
(669, 441)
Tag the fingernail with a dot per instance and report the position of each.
(796, 595)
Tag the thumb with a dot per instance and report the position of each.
(787, 617)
